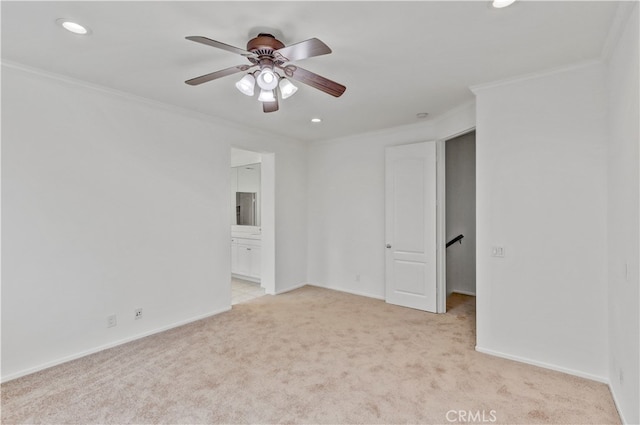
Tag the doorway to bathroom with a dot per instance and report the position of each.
(251, 210)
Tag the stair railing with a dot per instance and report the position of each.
(454, 240)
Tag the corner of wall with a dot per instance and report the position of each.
(623, 233)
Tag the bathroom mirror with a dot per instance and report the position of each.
(246, 213)
(245, 195)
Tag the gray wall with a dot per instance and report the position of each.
(461, 213)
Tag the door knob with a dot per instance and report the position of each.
(388, 245)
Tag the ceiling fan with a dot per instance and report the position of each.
(272, 58)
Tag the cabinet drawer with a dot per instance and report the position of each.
(247, 242)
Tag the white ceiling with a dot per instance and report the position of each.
(396, 58)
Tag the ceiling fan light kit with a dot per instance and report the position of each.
(266, 96)
(267, 79)
(287, 88)
(246, 85)
(270, 56)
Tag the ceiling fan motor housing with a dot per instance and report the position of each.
(264, 45)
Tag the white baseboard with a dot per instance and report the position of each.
(615, 402)
(471, 294)
(333, 288)
(243, 277)
(71, 357)
(293, 288)
(348, 291)
(550, 366)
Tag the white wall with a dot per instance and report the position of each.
(461, 213)
(241, 157)
(346, 202)
(541, 193)
(111, 203)
(623, 231)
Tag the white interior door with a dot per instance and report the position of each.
(410, 226)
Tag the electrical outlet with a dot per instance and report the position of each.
(497, 251)
(357, 278)
(111, 321)
(138, 313)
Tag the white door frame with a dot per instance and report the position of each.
(268, 223)
(441, 222)
(441, 214)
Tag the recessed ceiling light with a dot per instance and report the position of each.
(499, 4)
(73, 27)
(316, 120)
(422, 115)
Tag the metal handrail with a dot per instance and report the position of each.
(454, 240)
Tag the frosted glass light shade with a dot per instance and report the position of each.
(287, 89)
(246, 85)
(267, 79)
(266, 96)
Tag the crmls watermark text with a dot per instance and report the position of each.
(472, 416)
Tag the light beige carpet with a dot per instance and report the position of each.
(308, 356)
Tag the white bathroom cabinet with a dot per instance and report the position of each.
(245, 258)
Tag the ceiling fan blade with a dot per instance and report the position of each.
(219, 45)
(314, 80)
(270, 106)
(303, 49)
(218, 74)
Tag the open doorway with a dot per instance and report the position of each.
(460, 201)
(251, 245)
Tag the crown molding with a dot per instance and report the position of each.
(453, 111)
(211, 119)
(534, 75)
(624, 11)
(430, 128)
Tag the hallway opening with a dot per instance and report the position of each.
(460, 200)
